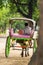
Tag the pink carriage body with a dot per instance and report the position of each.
(16, 35)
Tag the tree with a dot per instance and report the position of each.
(37, 58)
(25, 7)
(40, 39)
(18, 8)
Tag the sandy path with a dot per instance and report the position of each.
(14, 56)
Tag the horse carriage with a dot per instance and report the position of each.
(19, 37)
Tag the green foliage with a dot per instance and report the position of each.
(8, 9)
(3, 17)
(36, 14)
(19, 24)
(5, 14)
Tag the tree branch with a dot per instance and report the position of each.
(29, 13)
(16, 2)
(21, 12)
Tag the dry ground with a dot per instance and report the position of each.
(14, 56)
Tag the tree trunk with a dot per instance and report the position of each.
(40, 38)
(37, 58)
(30, 7)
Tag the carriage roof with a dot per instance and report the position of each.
(25, 19)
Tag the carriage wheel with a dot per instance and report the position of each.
(7, 48)
(35, 45)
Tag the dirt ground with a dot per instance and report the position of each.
(14, 56)
(14, 61)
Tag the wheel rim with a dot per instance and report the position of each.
(7, 49)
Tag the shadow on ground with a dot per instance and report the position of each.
(33, 59)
